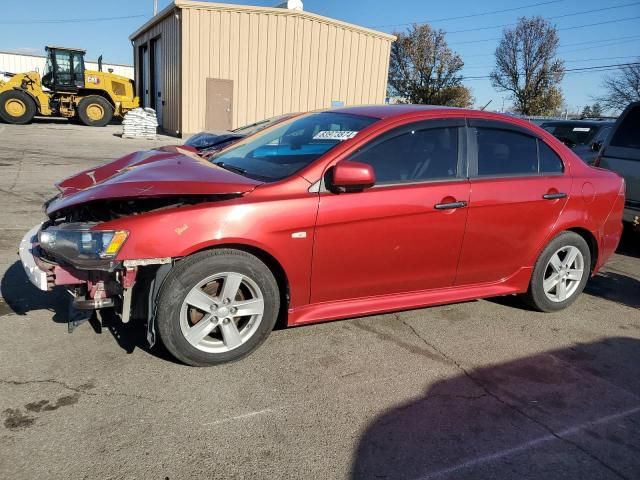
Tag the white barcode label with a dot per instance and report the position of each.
(334, 135)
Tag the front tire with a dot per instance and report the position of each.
(217, 306)
(17, 107)
(560, 274)
(95, 111)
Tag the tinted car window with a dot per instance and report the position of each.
(628, 133)
(280, 151)
(412, 154)
(602, 134)
(550, 162)
(505, 152)
(575, 133)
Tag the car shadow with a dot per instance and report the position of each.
(132, 335)
(568, 413)
(630, 242)
(21, 297)
(615, 287)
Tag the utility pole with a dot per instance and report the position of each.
(155, 7)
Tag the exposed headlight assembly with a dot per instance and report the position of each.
(81, 246)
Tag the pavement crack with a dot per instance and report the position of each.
(82, 389)
(17, 174)
(511, 406)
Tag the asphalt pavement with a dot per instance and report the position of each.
(478, 390)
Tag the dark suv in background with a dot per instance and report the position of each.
(584, 137)
(621, 153)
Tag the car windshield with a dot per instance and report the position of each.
(576, 133)
(282, 150)
(204, 140)
(261, 125)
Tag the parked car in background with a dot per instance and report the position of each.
(208, 143)
(621, 153)
(328, 215)
(584, 137)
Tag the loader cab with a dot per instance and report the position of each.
(64, 69)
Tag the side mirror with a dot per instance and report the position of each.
(596, 146)
(348, 176)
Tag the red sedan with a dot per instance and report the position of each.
(328, 215)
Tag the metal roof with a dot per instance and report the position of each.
(58, 47)
(185, 4)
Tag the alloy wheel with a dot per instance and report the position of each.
(563, 273)
(221, 312)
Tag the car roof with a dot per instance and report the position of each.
(388, 111)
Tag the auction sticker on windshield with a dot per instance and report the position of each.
(334, 135)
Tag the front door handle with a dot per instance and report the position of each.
(451, 205)
(554, 196)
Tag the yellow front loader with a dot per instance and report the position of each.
(67, 90)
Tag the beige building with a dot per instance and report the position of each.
(207, 66)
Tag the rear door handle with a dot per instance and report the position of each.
(447, 206)
(554, 196)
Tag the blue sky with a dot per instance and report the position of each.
(613, 34)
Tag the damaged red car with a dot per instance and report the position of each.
(327, 215)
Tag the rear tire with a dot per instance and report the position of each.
(17, 107)
(216, 307)
(95, 111)
(560, 273)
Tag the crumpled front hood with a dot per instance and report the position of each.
(154, 173)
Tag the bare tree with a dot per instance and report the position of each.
(621, 88)
(527, 67)
(423, 69)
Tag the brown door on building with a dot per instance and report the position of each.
(219, 114)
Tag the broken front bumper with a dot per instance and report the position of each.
(36, 275)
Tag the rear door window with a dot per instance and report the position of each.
(505, 152)
(550, 162)
(502, 152)
(627, 135)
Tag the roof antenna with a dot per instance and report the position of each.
(486, 105)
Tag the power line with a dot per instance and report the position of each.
(559, 30)
(68, 20)
(591, 42)
(596, 68)
(583, 12)
(604, 42)
(566, 61)
(480, 14)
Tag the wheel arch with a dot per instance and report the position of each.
(270, 261)
(34, 98)
(590, 238)
(85, 93)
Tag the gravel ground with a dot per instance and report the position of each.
(483, 389)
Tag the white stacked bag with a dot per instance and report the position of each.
(140, 123)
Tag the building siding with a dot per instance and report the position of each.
(168, 29)
(279, 62)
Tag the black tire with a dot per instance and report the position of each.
(17, 98)
(536, 296)
(95, 103)
(187, 274)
